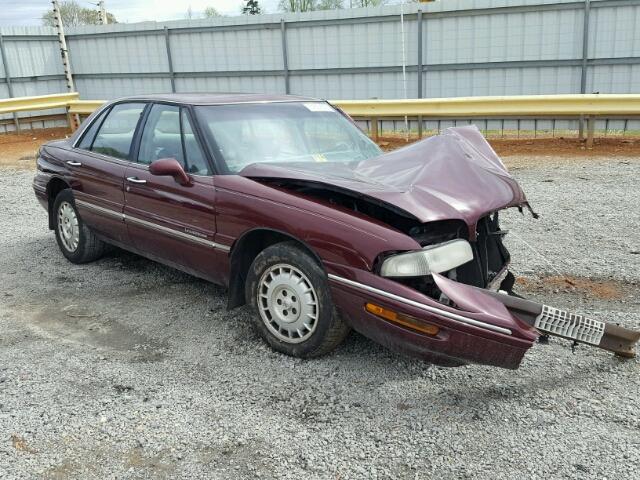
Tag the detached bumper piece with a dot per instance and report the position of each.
(571, 326)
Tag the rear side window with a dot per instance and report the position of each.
(115, 135)
(90, 133)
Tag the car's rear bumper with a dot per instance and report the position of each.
(489, 336)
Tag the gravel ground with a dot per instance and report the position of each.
(127, 369)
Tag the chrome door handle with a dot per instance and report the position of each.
(73, 164)
(135, 180)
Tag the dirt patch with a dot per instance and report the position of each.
(18, 150)
(603, 289)
(87, 325)
(21, 445)
(552, 147)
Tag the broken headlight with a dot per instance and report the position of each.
(432, 259)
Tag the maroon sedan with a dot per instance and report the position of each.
(287, 203)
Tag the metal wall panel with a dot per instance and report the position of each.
(248, 84)
(467, 47)
(135, 54)
(538, 35)
(229, 50)
(501, 81)
(110, 88)
(615, 32)
(353, 86)
(351, 45)
(614, 78)
(33, 58)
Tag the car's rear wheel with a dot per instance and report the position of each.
(77, 243)
(295, 313)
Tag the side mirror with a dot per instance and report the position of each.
(170, 167)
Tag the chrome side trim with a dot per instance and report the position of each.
(422, 306)
(170, 231)
(105, 211)
(152, 226)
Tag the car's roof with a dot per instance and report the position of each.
(219, 98)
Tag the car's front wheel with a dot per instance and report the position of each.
(290, 293)
(77, 243)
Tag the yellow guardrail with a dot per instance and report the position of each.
(506, 106)
(520, 106)
(84, 107)
(461, 107)
(41, 102)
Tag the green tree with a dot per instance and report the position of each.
(211, 12)
(251, 8)
(309, 5)
(73, 14)
(367, 3)
(329, 5)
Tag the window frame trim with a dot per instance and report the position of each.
(107, 109)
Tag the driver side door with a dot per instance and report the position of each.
(169, 222)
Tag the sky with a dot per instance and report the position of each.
(29, 12)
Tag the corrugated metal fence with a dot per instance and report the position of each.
(452, 48)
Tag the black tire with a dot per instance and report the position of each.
(329, 330)
(89, 247)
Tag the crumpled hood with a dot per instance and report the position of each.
(455, 175)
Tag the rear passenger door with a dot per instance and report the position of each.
(98, 163)
(168, 221)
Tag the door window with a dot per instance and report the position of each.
(168, 134)
(90, 133)
(195, 160)
(161, 135)
(116, 132)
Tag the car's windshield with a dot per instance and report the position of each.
(291, 132)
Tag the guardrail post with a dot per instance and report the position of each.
(285, 56)
(374, 129)
(73, 120)
(585, 59)
(172, 74)
(7, 76)
(591, 126)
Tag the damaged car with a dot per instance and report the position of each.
(283, 200)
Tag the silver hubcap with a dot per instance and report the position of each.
(68, 228)
(288, 303)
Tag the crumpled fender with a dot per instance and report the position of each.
(473, 300)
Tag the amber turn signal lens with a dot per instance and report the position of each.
(404, 320)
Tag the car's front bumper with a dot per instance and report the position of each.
(489, 335)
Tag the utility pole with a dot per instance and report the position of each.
(57, 20)
(102, 13)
